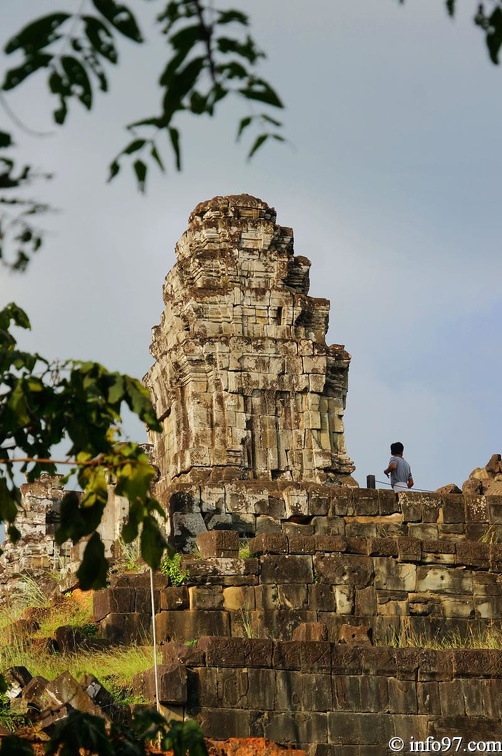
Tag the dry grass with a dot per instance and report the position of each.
(23, 643)
(488, 637)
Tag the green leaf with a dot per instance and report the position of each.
(262, 91)
(100, 38)
(257, 144)
(183, 81)
(15, 746)
(13, 533)
(152, 543)
(5, 139)
(140, 169)
(120, 17)
(13, 313)
(269, 119)
(37, 34)
(116, 390)
(245, 122)
(134, 146)
(80, 733)
(175, 142)
(450, 7)
(16, 76)
(8, 506)
(93, 569)
(139, 401)
(494, 35)
(184, 40)
(114, 169)
(130, 530)
(78, 80)
(155, 154)
(227, 17)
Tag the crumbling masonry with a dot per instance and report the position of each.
(301, 641)
(250, 396)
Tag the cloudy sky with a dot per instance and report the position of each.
(391, 181)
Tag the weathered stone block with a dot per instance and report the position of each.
(346, 660)
(436, 665)
(302, 544)
(346, 692)
(64, 690)
(409, 549)
(321, 598)
(402, 696)
(174, 597)
(348, 569)
(239, 598)
(296, 691)
(205, 597)
(172, 683)
(311, 631)
(365, 601)
(237, 652)
(443, 580)
(476, 508)
(221, 724)
(387, 504)
(359, 729)
(451, 698)
(383, 547)
(287, 568)
(471, 554)
(482, 662)
(175, 652)
(116, 600)
(453, 508)
(266, 525)
(344, 599)
(394, 576)
(188, 625)
(129, 627)
(218, 543)
(329, 543)
(268, 543)
(365, 502)
(374, 694)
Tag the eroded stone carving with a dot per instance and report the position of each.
(244, 382)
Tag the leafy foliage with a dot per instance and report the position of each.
(171, 566)
(17, 233)
(211, 56)
(42, 404)
(86, 734)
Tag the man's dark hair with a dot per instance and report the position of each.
(397, 448)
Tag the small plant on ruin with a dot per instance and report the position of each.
(493, 534)
(192, 642)
(246, 623)
(171, 566)
(129, 556)
(244, 551)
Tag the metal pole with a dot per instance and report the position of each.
(370, 481)
(154, 635)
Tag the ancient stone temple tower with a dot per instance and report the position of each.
(244, 382)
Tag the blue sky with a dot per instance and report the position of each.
(391, 182)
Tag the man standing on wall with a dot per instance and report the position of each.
(400, 471)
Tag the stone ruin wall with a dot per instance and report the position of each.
(244, 383)
(291, 643)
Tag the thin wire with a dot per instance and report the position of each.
(423, 490)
